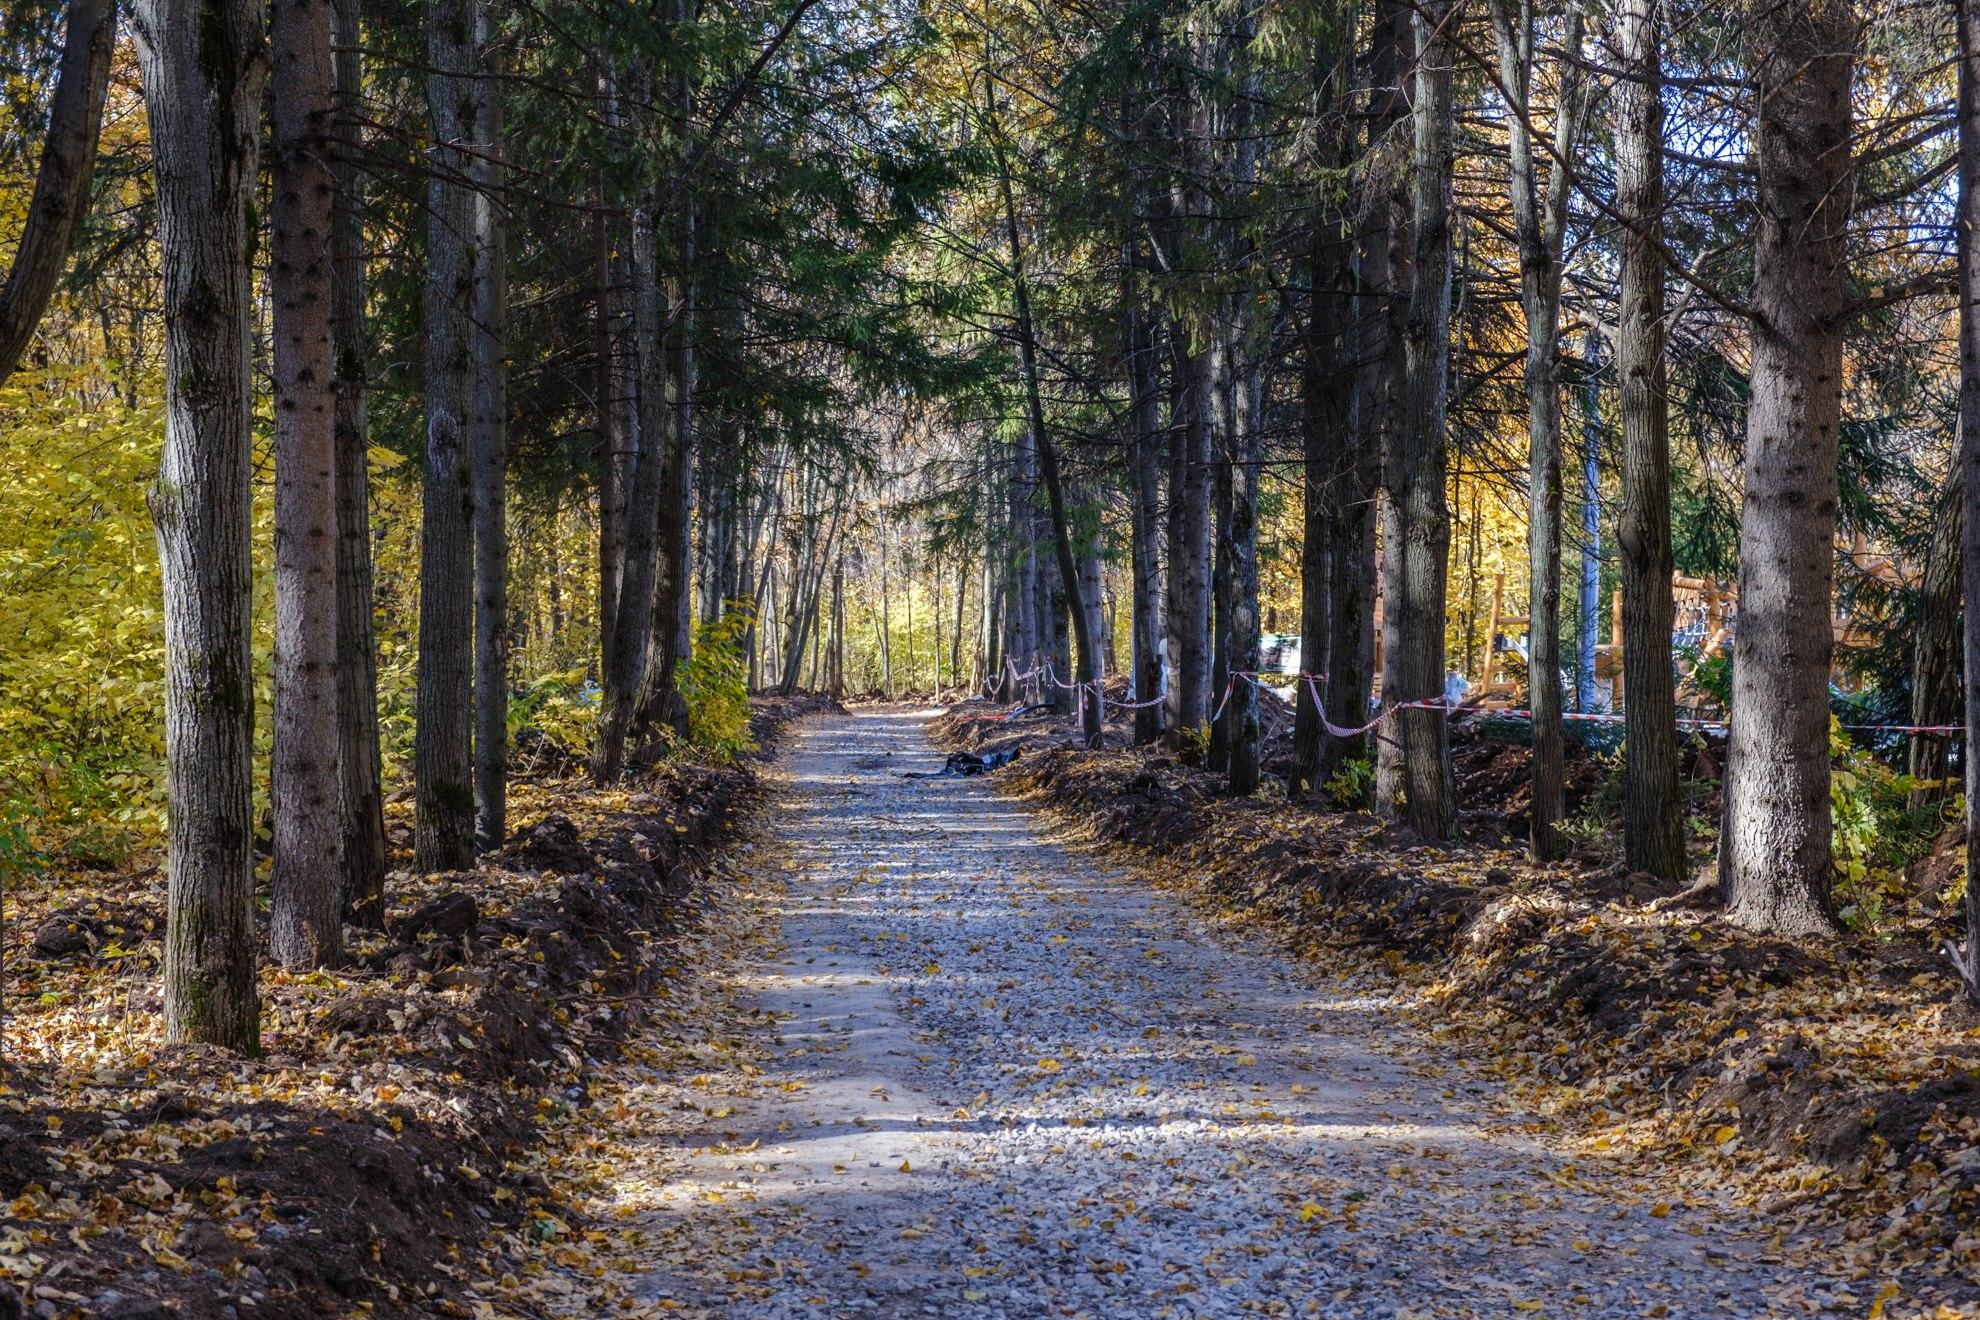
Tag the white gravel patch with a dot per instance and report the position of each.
(998, 1081)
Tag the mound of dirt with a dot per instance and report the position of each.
(359, 1164)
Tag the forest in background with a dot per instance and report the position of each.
(487, 383)
(440, 440)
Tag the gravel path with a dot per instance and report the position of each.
(974, 1074)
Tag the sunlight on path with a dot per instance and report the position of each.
(976, 1075)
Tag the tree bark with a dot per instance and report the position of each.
(442, 773)
(660, 698)
(617, 404)
(1540, 224)
(1935, 654)
(1247, 413)
(306, 927)
(1653, 815)
(60, 201)
(839, 626)
(1425, 521)
(1775, 853)
(1967, 229)
(359, 773)
(1387, 253)
(625, 666)
(1151, 628)
(1588, 605)
(490, 420)
(1223, 578)
(1199, 345)
(1248, 449)
(1048, 459)
(203, 68)
(956, 633)
(1373, 348)
(1326, 383)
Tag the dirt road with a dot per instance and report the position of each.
(976, 1074)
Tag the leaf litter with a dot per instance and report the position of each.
(398, 1148)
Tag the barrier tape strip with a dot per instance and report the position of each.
(1312, 681)
(1587, 717)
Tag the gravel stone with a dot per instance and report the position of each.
(999, 1080)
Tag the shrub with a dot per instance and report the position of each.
(715, 684)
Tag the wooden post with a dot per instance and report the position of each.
(1486, 661)
(1616, 646)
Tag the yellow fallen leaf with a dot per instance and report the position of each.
(1048, 1065)
(1884, 1296)
(904, 1167)
(1310, 1209)
(1659, 1211)
(1724, 1134)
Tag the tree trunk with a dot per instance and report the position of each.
(1967, 230)
(1424, 517)
(1935, 654)
(1388, 734)
(1540, 225)
(1375, 346)
(1189, 564)
(1588, 606)
(1653, 814)
(443, 777)
(1248, 449)
(1384, 278)
(1247, 414)
(660, 699)
(1024, 566)
(1775, 852)
(306, 926)
(956, 633)
(1222, 576)
(1050, 598)
(1400, 284)
(617, 404)
(886, 620)
(625, 667)
(839, 626)
(359, 773)
(60, 202)
(1326, 380)
(1151, 628)
(490, 440)
(202, 69)
(1092, 591)
(1048, 460)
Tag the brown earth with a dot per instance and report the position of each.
(364, 1158)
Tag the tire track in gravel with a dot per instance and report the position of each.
(989, 1078)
